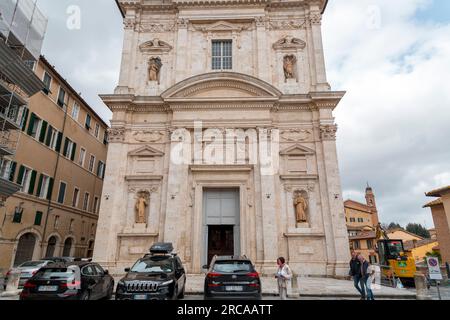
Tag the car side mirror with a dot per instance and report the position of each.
(206, 267)
(106, 272)
(127, 270)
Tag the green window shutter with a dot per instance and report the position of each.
(43, 131)
(12, 172)
(32, 182)
(20, 176)
(25, 119)
(74, 149)
(49, 136)
(31, 124)
(58, 142)
(50, 189)
(98, 168)
(41, 178)
(66, 145)
(38, 218)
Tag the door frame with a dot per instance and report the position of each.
(236, 227)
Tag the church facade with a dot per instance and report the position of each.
(223, 139)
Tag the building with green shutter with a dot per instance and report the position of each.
(57, 169)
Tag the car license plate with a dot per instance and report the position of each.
(234, 288)
(48, 288)
(140, 297)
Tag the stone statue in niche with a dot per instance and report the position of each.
(142, 203)
(154, 69)
(289, 63)
(301, 207)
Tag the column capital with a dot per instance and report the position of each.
(116, 134)
(328, 131)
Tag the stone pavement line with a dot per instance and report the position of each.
(313, 287)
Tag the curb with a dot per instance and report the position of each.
(316, 295)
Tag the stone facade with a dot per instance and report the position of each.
(261, 124)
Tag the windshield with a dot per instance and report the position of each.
(153, 266)
(395, 247)
(233, 266)
(55, 273)
(32, 263)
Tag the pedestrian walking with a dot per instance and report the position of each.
(372, 271)
(355, 273)
(283, 276)
(363, 275)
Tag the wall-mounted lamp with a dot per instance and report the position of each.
(268, 195)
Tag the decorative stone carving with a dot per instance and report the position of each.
(116, 134)
(154, 69)
(301, 206)
(155, 46)
(328, 132)
(156, 27)
(142, 202)
(129, 23)
(261, 21)
(289, 64)
(148, 136)
(315, 19)
(182, 23)
(287, 24)
(289, 42)
(296, 135)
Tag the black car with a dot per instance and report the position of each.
(159, 275)
(81, 280)
(232, 277)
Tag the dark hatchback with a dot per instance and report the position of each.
(159, 275)
(230, 277)
(69, 281)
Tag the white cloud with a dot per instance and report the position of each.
(394, 119)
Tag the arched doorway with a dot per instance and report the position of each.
(67, 247)
(25, 248)
(50, 252)
(90, 250)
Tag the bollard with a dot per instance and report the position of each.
(422, 292)
(293, 291)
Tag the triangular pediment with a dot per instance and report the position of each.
(146, 151)
(220, 26)
(297, 150)
(155, 46)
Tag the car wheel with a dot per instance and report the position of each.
(85, 296)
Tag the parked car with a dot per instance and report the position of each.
(26, 271)
(80, 280)
(232, 277)
(159, 275)
(56, 259)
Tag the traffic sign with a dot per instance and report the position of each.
(434, 269)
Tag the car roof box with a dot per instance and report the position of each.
(162, 247)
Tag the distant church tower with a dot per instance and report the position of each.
(370, 200)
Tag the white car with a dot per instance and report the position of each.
(27, 270)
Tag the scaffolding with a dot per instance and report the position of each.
(22, 31)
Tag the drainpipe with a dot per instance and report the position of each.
(49, 202)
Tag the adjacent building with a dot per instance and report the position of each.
(440, 209)
(365, 243)
(223, 139)
(59, 167)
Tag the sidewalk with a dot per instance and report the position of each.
(311, 287)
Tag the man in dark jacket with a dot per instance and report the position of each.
(356, 273)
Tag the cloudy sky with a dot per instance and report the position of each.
(392, 58)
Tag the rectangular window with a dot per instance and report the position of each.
(356, 245)
(24, 178)
(53, 138)
(69, 149)
(222, 55)
(100, 169)
(56, 222)
(87, 123)
(105, 137)
(352, 219)
(95, 208)
(38, 218)
(5, 168)
(86, 201)
(75, 111)
(17, 217)
(47, 82)
(97, 130)
(71, 225)
(61, 98)
(75, 198)
(44, 183)
(35, 126)
(82, 157)
(91, 163)
(62, 192)
(369, 244)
